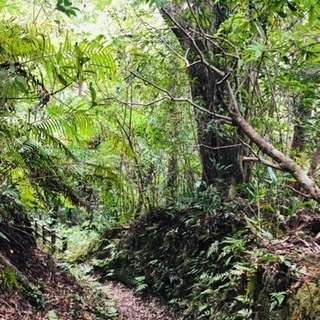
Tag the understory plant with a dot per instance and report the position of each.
(202, 258)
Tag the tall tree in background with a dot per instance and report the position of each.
(236, 63)
(220, 150)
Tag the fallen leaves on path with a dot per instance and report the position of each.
(50, 292)
(130, 306)
(57, 295)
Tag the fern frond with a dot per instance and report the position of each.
(51, 126)
(80, 61)
(82, 121)
(47, 138)
(100, 59)
(20, 44)
(12, 154)
(73, 122)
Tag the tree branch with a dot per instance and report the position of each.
(225, 119)
(258, 158)
(285, 163)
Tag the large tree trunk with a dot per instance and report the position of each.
(220, 150)
(212, 88)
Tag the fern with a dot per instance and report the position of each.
(32, 146)
(51, 126)
(80, 61)
(11, 155)
(251, 284)
(19, 42)
(8, 279)
(47, 138)
(100, 60)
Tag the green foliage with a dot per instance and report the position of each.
(140, 283)
(36, 121)
(90, 120)
(214, 269)
(65, 116)
(277, 299)
(66, 7)
(52, 315)
(8, 280)
(80, 240)
(3, 236)
(174, 271)
(35, 296)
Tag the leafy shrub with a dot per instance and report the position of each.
(8, 279)
(201, 257)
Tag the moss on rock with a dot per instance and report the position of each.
(305, 303)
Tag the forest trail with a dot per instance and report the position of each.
(57, 295)
(132, 307)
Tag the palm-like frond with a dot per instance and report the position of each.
(18, 42)
(80, 61)
(99, 57)
(49, 139)
(43, 172)
(70, 123)
(30, 149)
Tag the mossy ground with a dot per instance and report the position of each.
(305, 302)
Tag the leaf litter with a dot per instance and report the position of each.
(58, 295)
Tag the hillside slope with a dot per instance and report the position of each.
(218, 264)
(33, 287)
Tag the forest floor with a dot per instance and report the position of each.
(56, 294)
(53, 292)
(132, 307)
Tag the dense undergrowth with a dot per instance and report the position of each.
(208, 259)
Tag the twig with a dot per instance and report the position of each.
(258, 158)
(210, 39)
(172, 98)
(297, 191)
(7, 304)
(217, 148)
(139, 104)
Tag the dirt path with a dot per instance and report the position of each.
(55, 294)
(132, 307)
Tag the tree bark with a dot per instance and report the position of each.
(220, 150)
(315, 163)
(302, 115)
(284, 162)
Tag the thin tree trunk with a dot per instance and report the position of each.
(315, 163)
(302, 116)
